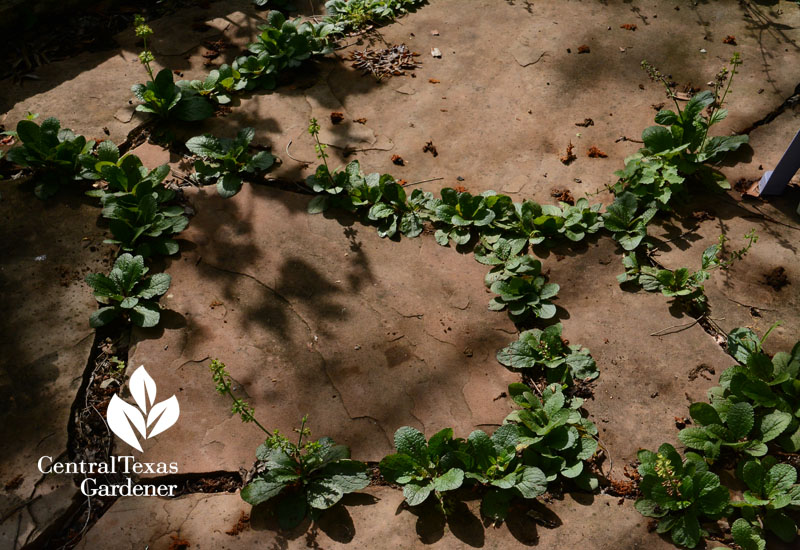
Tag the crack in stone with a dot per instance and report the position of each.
(790, 101)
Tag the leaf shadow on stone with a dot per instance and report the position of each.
(336, 522)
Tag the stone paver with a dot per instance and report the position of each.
(318, 315)
(43, 352)
(209, 521)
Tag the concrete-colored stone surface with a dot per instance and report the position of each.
(371, 520)
(507, 102)
(319, 316)
(644, 380)
(44, 348)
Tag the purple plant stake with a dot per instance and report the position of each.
(773, 182)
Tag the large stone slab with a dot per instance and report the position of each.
(506, 103)
(45, 251)
(216, 521)
(319, 316)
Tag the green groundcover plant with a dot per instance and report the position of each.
(52, 152)
(306, 477)
(127, 293)
(223, 161)
(681, 494)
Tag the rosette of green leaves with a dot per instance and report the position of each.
(543, 223)
(769, 384)
(219, 85)
(281, 45)
(497, 250)
(164, 99)
(135, 203)
(546, 350)
(53, 152)
(553, 434)
(422, 468)
(734, 425)
(223, 161)
(681, 494)
(772, 490)
(308, 479)
(626, 224)
(457, 213)
(392, 211)
(496, 465)
(688, 131)
(651, 178)
(516, 265)
(127, 293)
(335, 188)
(352, 15)
(523, 290)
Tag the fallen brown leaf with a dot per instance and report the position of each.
(430, 148)
(337, 117)
(596, 153)
(398, 160)
(569, 156)
(584, 49)
(434, 80)
(628, 27)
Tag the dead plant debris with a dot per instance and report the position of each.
(14, 484)
(460, 189)
(777, 278)
(595, 153)
(569, 156)
(700, 370)
(360, 120)
(563, 195)
(394, 61)
(178, 543)
(730, 39)
(584, 49)
(241, 525)
(398, 160)
(337, 117)
(434, 80)
(430, 148)
(628, 26)
(703, 215)
(681, 422)
(586, 123)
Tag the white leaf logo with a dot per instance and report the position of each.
(123, 417)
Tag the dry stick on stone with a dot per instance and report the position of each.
(422, 181)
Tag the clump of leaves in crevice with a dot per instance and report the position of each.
(53, 153)
(523, 289)
(281, 45)
(682, 494)
(224, 161)
(554, 436)
(307, 477)
(550, 356)
(681, 284)
(680, 147)
(135, 202)
(354, 15)
(160, 96)
(127, 293)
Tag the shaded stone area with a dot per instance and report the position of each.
(319, 316)
(375, 518)
(43, 352)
